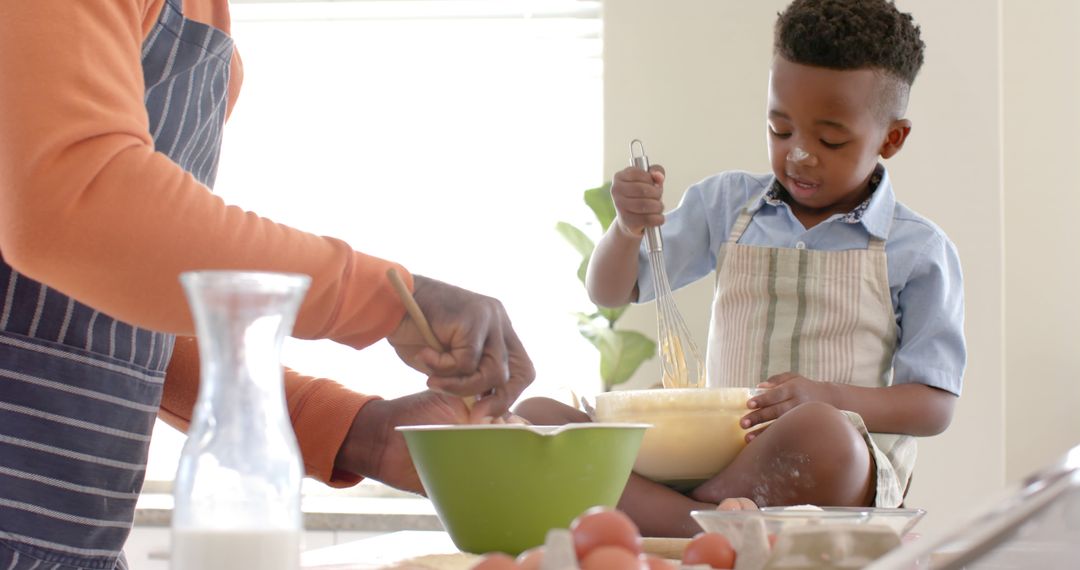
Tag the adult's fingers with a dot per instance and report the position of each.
(489, 376)
(521, 374)
(497, 390)
(467, 351)
(476, 349)
(492, 370)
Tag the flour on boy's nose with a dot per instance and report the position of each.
(797, 154)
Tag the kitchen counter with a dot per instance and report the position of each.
(365, 514)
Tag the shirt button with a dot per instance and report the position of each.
(800, 245)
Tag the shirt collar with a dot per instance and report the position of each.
(875, 213)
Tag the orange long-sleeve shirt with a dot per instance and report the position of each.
(88, 207)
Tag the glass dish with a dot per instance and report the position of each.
(777, 519)
(900, 520)
(730, 523)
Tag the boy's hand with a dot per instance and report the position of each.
(782, 393)
(637, 197)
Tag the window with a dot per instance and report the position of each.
(449, 136)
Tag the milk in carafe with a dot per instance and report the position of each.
(237, 487)
(230, 550)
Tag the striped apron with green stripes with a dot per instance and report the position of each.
(826, 315)
(79, 390)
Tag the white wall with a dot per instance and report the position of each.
(1042, 153)
(689, 78)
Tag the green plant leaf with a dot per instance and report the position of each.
(609, 315)
(621, 352)
(612, 314)
(634, 348)
(599, 200)
(577, 238)
(585, 318)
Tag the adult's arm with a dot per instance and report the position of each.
(321, 410)
(88, 207)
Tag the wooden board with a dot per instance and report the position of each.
(671, 548)
(430, 550)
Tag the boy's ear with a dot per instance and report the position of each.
(894, 138)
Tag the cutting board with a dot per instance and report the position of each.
(426, 550)
(671, 548)
(664, 547)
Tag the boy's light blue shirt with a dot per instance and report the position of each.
(925, 279)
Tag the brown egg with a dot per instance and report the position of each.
(496, 561)
(710, 548)
(612, 558)
(601, 526)
(654, 562)
(531, 558)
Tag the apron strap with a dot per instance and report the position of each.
(743, 221)
(876, 244)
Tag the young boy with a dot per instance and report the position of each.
(844, 305)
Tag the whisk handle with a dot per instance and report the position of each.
(638, 159)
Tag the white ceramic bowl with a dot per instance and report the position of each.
(695, 431)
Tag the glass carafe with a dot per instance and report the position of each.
(237, 489)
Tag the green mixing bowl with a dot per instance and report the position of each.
(502, 487)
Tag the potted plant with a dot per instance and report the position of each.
(621, 351)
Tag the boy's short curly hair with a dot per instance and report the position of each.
(852, 34)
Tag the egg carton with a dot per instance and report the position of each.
(837, 546)
(559, 553)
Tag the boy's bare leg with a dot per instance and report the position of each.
(548, 412)
(659, 510)
(656, 509)
(810, 455)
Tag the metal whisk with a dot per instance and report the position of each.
(680, 359)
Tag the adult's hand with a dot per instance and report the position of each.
(374, 449)
(483, 356)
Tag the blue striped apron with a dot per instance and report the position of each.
(79, 390)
